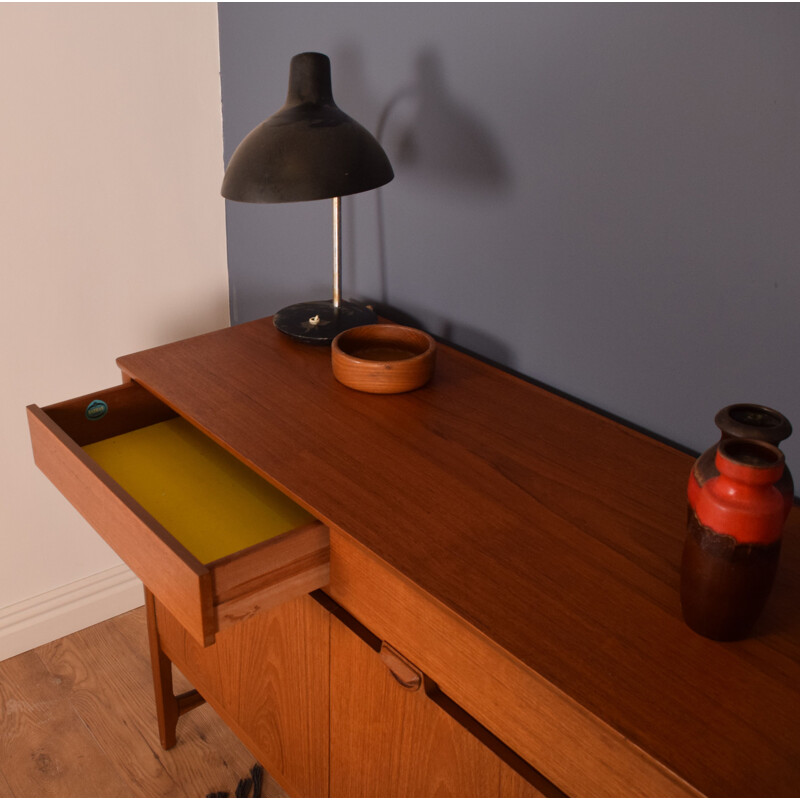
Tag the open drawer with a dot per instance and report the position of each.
(214, 541)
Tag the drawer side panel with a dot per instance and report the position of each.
(173, 574)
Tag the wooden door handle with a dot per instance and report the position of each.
(403, 671)
(413, 679)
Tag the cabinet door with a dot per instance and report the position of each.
(390, 741)
(268, 679)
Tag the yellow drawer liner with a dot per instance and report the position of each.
(208, 500)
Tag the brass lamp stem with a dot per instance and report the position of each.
(337, 251)
(320, 321)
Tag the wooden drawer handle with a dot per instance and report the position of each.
(403, 671)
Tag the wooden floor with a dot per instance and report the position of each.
(77, 719)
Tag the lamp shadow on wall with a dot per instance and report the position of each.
(443, 142)
(438, 143)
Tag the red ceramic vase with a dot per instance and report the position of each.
(746, 421)
(734, 537)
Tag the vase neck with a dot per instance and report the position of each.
(749, 461)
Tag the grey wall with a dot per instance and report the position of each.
(603, 197)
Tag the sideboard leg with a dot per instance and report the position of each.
(168, 706)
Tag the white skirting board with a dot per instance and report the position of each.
(67, 609)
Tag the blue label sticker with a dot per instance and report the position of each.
(97, 409)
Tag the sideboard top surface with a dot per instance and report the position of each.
(552, 529)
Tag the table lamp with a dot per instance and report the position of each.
(310, 150)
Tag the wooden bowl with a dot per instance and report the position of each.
(383, 359)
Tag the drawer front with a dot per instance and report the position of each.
(204, 597)
(270, 574)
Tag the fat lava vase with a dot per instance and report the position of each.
(733, 541)
(746, 421)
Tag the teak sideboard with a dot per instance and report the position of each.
(470, 589)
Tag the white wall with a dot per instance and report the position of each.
(112, 236)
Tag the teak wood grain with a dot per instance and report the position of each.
(169, 705)
(416, 749)
(268, 679)
(270, 573)
(547, 529)
(156, 557)
(205, 598)
(532, 716)
(129, 407)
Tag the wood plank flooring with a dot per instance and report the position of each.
(77, 719)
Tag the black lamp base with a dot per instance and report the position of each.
(319, 322)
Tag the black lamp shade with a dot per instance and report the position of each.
(309, 150)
